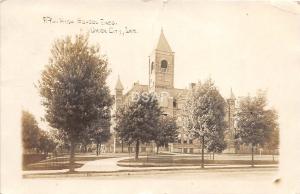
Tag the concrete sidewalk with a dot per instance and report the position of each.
(101, 165)
(109, 164)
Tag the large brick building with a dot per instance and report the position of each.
(171, 100)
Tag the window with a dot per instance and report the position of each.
(191, 150)
(164, 65)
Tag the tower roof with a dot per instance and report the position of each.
(119, 85)
(163, 44)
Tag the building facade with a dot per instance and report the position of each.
(171, 100)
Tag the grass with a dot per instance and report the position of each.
(60, 163)
(173, 161)
(50, 166)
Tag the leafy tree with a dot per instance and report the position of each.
(204, 114)
(216, 143)
(30, 131)
(136, 122)
(166, 131)
(59, 139)
(101, 136)
(255, 122)
(273, 142)
(85, 141)
(101, 131)
(46, 143)
(74, 90)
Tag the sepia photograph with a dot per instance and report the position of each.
(150, 96)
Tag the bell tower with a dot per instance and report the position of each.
(161, 65)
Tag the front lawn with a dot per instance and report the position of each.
(60, 163)
(173, 161)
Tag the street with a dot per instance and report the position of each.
(258, 181)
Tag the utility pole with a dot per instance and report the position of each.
(202, 161)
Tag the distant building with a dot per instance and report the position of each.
(161, 81)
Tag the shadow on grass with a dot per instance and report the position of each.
(162, 162)
(61, 163)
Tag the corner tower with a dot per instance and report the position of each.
(119, 93)
(230, 133)
(231, 111)
(161, 65)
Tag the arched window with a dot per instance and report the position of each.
(164, 64)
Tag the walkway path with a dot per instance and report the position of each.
(110, 165)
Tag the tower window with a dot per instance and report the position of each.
(164, 64)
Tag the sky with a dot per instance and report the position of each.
(245, 46)
(241, 45)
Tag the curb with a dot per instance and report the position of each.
(145, 172)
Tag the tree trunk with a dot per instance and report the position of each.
(99, 148)
(202, 160)
(129, 151)
(157, 149)
(72, 158)
(252, 156)
(137, 146)
(273, 153)
(213, 155)
(122, 144)
(97, 153)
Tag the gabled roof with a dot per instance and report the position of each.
(163, 44)
(119, 85)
